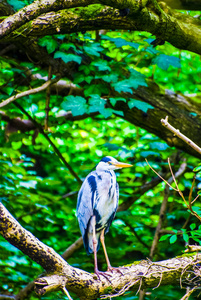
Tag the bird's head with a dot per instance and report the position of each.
(110, 163)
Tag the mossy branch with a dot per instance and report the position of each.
(61, 275)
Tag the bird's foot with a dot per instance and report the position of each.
(111, 269)
(99, 273)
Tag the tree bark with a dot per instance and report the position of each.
(51, 17)
(178, 108)
(142, 274)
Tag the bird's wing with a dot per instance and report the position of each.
(116, 198)
(85, 203)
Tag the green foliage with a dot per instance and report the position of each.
(17, 4)
(76, 104)
(49, 42)
(34, 182)
(164, 61)
(140, 105)
(67, 57)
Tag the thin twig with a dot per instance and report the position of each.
(180, 135)
(47, 108)
(160, 176)
(187, 295)
(50, 141)
(29, 92)
(66, 292)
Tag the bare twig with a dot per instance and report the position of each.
(160, 176)
(7, 297)
(72, 248)
(29, 92)
(180, 135)
(66, 292)
(178, 190)
(187, 295)
(47, 108)
(160, 222)
(51, 143)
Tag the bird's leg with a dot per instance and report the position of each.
(102, 239)
(93, 223)
(96, 271)
(109, 267)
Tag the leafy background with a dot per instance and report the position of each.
(38, 189)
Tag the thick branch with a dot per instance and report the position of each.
(181, 31)
(85, 285)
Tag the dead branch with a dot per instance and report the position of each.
(180, 135)
(163, 210)
(188, 204)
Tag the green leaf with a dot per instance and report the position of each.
(96, 103)
(164, 61)
(186, 237)
(68, 57)
(113, 101)
(17, 4)
(192, 226)
(197, 210)
(197, 169)
(76, 104)
(93, 49)
(102, 65)
(139, 105)
(66, 46)
(95, 89)
(110, 77)
(123, 86)
(164, 237)
(49, 42)
(173, 239)
(119, 42)
(118, 112)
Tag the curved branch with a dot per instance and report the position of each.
(29, 92)
(181, 31)
(35, 9)
(142, 274)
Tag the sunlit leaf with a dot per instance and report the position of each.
(120, 42)
(68, 57)
(76, 104)
(173, 239)
(139, 105)
(163, 61)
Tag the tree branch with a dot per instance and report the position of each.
(181, 31)
(180, 135)
(51, 143)
(163, 210)
(85, 285)
(29, 92)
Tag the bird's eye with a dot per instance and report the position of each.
(109, 163)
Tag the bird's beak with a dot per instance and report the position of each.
(122, 165)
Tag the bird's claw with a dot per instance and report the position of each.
(111, 269)
(98, 273)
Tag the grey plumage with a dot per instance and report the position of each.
(97, 197)
(97, 205)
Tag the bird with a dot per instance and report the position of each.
(97, 205)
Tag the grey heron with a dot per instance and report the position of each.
(97, 205)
